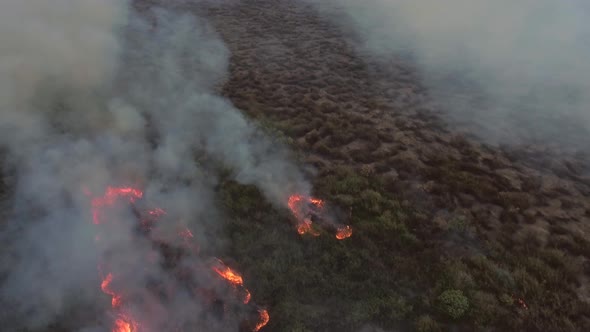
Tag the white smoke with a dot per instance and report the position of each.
(93, 95)
(511, 66)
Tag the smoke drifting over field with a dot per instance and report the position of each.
(517, 68)
(92, 95)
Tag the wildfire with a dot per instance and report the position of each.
(521, 302)
(317, 202)
(110, 197)
(247, 297)
(305, 227)
(343, 232)
(105, 286)
(304, 208)
(264, 318)
(234, 278)
(228, 274)
(124, 322)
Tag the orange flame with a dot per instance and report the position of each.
(228, 274)
(109, 198)
(305, 227)
(293, 200)
(264, 318)
(317, 202)
(247, 297)
(304, 224)
(343, 232)
(124, 324)
(105, 286)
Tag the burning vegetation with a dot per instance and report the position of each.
(128, 303)
(308, 210)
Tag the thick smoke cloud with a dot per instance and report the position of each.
(92, 95)
(517, 68)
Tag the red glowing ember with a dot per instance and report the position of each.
(522, 303)
(264, 318)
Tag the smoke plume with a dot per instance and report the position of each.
(95, 95)
(516, 68)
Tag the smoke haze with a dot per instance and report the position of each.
(518, 69)
(92, 95)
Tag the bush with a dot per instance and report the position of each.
(485, 309)
(371, 200)
(396, 307)
(425, 323)
(453, 303)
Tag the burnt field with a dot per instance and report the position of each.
(401, 220)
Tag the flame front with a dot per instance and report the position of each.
(186, 234)
(264, 318)
(124, 321)
(228, 274)
(247, 297)
(234, 278)
(303, 208)
(110, 197)
(343, 232)
(293, 201)
(106, 288)
(304, 224)
(124, 324)
(305, 227)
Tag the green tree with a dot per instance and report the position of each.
(453, 303)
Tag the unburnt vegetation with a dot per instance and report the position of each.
(449, 233)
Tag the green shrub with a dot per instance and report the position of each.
(485, 308)
(453, 303)
(371, 200)
(456, 275)
(425, 323)
(459, 224)
(396, 307)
